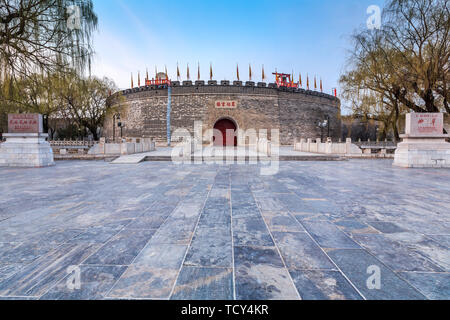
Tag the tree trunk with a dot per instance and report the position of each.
(395, 122)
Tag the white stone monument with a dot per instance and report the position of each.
(424, 142)
(25, 144)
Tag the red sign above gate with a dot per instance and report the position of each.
(226, 104)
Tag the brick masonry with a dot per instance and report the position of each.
(294, 112)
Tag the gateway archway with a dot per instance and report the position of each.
(223, 139)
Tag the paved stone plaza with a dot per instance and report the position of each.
(161, 231)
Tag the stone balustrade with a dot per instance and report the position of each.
(346, 148)
(126, 146)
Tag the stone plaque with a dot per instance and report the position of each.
(424, 124)
(25, 123)
(226, 104)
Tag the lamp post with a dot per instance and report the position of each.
(116, 116)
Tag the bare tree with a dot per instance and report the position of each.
(404, 65)
(85, 101)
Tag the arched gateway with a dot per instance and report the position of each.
(221, 138)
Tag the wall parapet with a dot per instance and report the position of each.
(224, 87)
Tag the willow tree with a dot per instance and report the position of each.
(45, 36)
(85, 101)
(41, 39)
(406, 62)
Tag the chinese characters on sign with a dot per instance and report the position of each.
(25, 123)
(226, 104)
(426, 124)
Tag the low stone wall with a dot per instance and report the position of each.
(127, 146)
(346, 148)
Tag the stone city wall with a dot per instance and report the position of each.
(294, 112)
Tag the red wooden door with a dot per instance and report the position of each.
(222, 140)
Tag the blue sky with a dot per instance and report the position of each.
(311, 37)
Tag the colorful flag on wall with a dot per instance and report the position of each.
(178, 72)
(237, 72)
(321, 86)
(300, 80)
(188, 74)
(307, 81)
(263, 74)
(210, 72)
(249, 72)
(315, 83)
(139, 79)
(132, 85)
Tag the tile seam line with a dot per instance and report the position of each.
(381, 263)
(278, 249)
(332, 261)
(37, 258)
(118, 279)
(232, 234)
(84, 260)
(190, 243)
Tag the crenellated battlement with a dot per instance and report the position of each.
(224, 87)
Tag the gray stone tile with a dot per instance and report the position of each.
(36, 278)
(196, 283)
(210, 248)
(147, 222)
(143, 282)
(176, 231)
(251, 231)
(430, 249)
(281, 221)
(215, 218)
(300, 252)
(260, 275)
(220, 193)
(355, 227)
(8, 270)
(443, 240)
(323, 285)
(245, 210)
(395, 255)
(355, 263)
(25, 252)
(310, 216)
(161, 256)
(386, 227)
(96, 281)
(122, 249)
(268, 203)
(84, 204)
(294, 203)
(435, 286)
(57, 236)
(99, 234)
(328, 235)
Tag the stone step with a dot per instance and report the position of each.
(248, 159)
